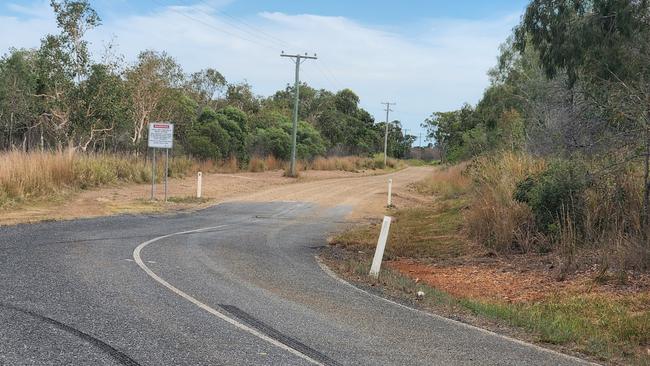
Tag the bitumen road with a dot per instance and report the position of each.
(234, 284)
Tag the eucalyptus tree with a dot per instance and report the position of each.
(149, 82)
(603, 46)
(18, 107)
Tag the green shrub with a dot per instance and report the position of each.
(271, 141)
(555, 193)
(309, 141)
(220, 134)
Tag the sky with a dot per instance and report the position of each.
(423, 55)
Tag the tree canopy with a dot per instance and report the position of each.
(58, 96)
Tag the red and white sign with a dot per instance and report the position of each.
(161, 135)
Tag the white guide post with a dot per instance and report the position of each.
(381, 246)
(199, 183)
(390, 193)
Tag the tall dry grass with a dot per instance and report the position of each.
(36, 175)
(349, 163)
(494, 218)
(352, 163)
(609, 224)
(27, 176)
(612, 220)
(447, 182)
(262, 164)
(24, 175)
(344, 163)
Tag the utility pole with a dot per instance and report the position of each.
(388, 110)
(297, 60)
(420, 139)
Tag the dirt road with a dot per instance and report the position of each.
(361, 191)
(365, 196)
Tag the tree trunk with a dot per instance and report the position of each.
(645, 215)
(11, 130)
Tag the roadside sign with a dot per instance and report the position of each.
(161, 135)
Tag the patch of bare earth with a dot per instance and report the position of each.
(514, 279)
(363, 191)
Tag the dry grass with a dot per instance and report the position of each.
(348, 164)
(424, 232)
(446, 182)
(261, 164)
(38, 175)
(31, 175)
(352, 163)
(344, 163)
(228, 166)
(608, 230)
(612, 221)
(494, 218)
(47, 175)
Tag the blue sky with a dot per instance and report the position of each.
(385, 12)
(424, 55)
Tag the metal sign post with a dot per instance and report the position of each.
(161, 136)
(166, 171)
(153, 174)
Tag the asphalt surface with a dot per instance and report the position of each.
(245, 289)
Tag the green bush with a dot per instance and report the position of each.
(309, 141)
(554, 193)
(202, 147)
(271, 141)
(220, 135)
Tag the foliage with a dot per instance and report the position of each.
(58, 96)
(555, 193)
(603, 47)
(220, 135)
(273, 141)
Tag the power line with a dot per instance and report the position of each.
(210, 25)
(260, 34)
(338, 84)
(269, 36)
(254, 35)
(327, 78)
(242, 26)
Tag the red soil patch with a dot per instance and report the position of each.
(512, 280)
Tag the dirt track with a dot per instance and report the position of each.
(365, 195)
(364, 192)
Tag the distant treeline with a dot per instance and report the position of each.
(57, 96)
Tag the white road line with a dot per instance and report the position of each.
(218, 314)
(336, 277)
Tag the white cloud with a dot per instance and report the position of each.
(438, 68)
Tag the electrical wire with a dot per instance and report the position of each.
(253, 35)
(210, 25)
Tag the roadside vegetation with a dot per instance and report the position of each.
(540, 217)
(451, 248)
(30, 177)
